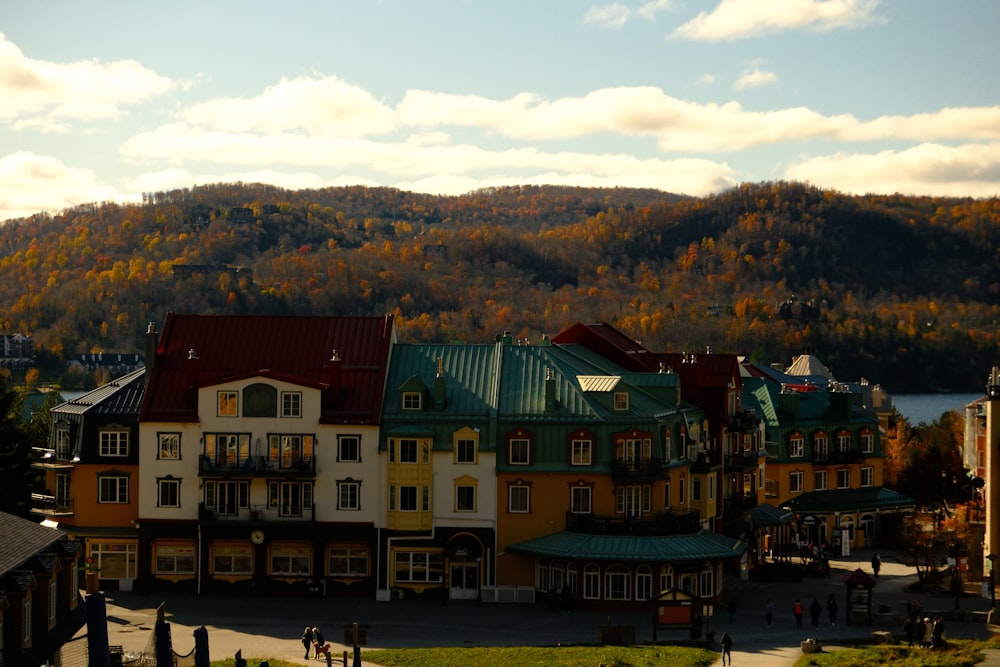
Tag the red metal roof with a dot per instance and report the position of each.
(293, 348)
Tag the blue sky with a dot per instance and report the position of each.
(106, 100)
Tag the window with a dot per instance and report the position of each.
(407, 499)
(227, 449)
(418, 566)
(633, 451)
(591, 582)
(115, 560)
(62, 490)
(819, 480)
(290, 451)
(796, 446)
(260, 401)
(227, 498)
(291, 404)
(112, 489)
(291, 559)
(843, 442)
(621, 400)
(582, 452)
(681, 491)
(232, 559)
(666, 494)
(579, 499)
(168, 446)
(228, 401)
(821, 447)
(666, 578)
(62, 443)
(520, 452)
(425, 495)
(867, 476)
(633, 501)
(114, 443)
(53, 600)
(168, 492)
(844, 478)
(707, 584)
(868, 443)
(696, 488)
(519, 499)
(348, 495)
(350, 561)
(348, 448)
(290, 498)
(465, 451)
(174, 558)
(795, 482)
(643, 582)
(617, 582)
(412, 400)
(465, 498)
(26, 620)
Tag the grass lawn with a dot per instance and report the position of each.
(547, 656)
(960, 653)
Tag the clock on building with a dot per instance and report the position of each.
(257, 536)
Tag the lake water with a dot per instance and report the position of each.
(927, 408)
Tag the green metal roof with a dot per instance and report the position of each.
(704, 545)
(469, 373)
(851, 500)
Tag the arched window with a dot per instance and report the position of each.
(666, 578)
(591, 582)
(617, 582)
(643, 582)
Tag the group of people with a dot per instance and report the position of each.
(312, 639)
(815, 612)
(924, 632)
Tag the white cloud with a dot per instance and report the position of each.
(755, 77)
(617, 14)
(48, 97)
(705, 79)
(971, 170)
(740, 19)
(31, 183)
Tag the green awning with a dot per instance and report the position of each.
(704, 545)
(872, 498)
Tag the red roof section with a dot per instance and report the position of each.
(296, 349)
(608, 342)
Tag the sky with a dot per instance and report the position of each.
(107, 100)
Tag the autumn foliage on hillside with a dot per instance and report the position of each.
(901, 290)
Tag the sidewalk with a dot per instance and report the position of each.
(271, 627)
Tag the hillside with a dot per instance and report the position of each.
(901, 290)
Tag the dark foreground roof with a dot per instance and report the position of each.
(704, 545)
(873, 498)
(20, 539)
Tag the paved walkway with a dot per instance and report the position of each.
(271, 627)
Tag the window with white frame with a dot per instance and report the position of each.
(696, 488)
(63, 496)
(591, 582)
(796, 446)
(403, 450)
(843, 442)
(617, 582)
(819, 480)
(349, 448)
(795, 482)
(63, 445)
(579, 499)
(168, 492)
(53, 599)
(418, 566)
(290, 450)
(643, 582)
(519, 451)
(114, 442)
(112, 489)
(582, 452)
(291, 404)
(26, 620)
(348, 561)
(682, 490)
(228, 497)
(228, 403)
(621, 401)
(465, 498)
(168, 446)
(844, 478)
(290, 498)
(821, 446)
(412, 400)
(174, 558)
(407, 498)
(666, 578)
(868, 442)
(868, 476)
(519, 499)
(348, 495)
(707, 581)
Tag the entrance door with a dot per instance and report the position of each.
(464, 580)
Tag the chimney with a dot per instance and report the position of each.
(550, 390)
(152, 341)
(439, 385)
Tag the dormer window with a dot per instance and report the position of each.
(621, 400)
(412, 400)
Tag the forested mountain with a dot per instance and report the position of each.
(900, 290)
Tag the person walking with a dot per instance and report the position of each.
(797, 610)
(928, 640)
(908, 629)
(727, 648)
(831, 609)
(876, 564)
(815, 611)
(307, 639)
(919, 629)
(769, 612)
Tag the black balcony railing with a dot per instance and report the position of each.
(638, 470)
(257, 465)
(46, 505)
(48, 459)
(672, 522)
(281, 512)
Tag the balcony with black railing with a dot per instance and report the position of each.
(51, 506)
(744, 421)
(280, 512)
(638, 470)
(259, 466)
(44, 458)
(742, 460)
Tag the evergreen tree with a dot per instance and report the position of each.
(17, 479)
